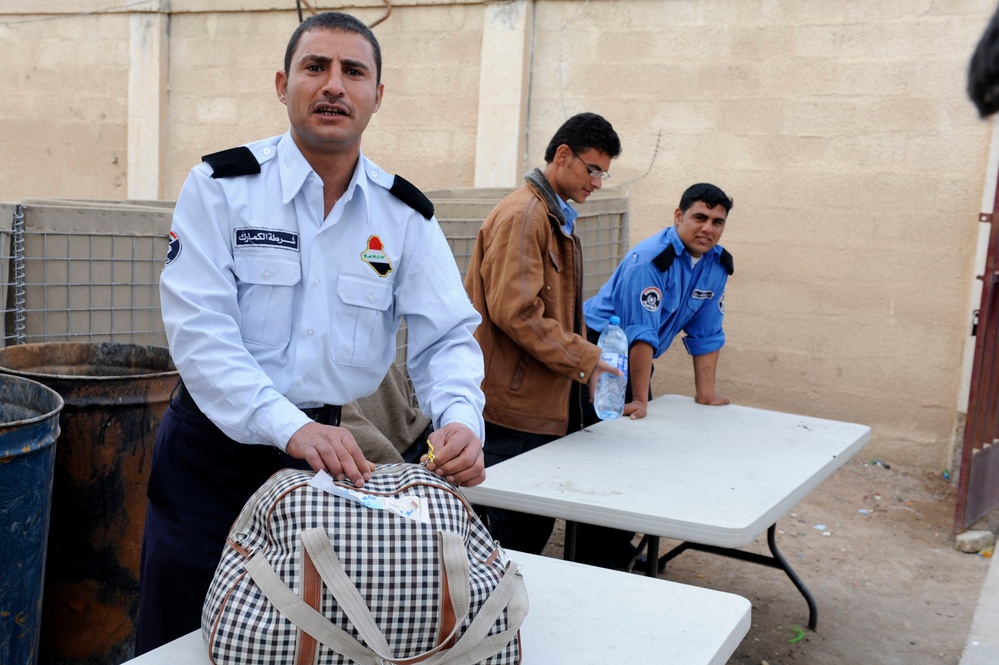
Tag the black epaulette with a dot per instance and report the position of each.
(232, 162)
(726, 260)
(665, 259)
(408, 193)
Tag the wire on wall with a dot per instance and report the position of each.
(312, 10)
(655, 153)
(388, 10)
(128, 6)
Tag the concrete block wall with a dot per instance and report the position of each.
(841, 128)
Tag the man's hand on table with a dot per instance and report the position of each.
(714, 399)
(636, 409)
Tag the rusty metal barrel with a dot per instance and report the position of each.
(115, 396)
(29, 427)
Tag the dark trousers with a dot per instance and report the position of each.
(610, 548)
(530, 533)
(514, 530)
(198, 483)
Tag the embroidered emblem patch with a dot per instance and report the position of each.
(173, 251)
(721, 304)
(267, 238)
(702, 295)
(652, 297)
(375, 256)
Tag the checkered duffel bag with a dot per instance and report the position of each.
(332, 576)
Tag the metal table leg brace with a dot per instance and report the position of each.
(776, 561)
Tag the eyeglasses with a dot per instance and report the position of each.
(595, 172)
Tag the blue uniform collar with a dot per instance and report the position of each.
(670, 237)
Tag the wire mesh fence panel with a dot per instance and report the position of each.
(602, 227)
(89, 270)
(85, 271)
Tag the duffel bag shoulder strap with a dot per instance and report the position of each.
(330, 569)
(474, 645)
(300, 613)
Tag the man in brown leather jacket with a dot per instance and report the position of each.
(525, 278)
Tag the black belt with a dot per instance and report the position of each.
(328, 414)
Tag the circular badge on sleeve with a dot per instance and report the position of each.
(652, 297)
(173, 251)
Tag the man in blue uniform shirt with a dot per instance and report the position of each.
(292, 262)
(670, 282)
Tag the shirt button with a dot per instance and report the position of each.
(266, 275)
(371, 298)
(315, 283)
(310, 332)
(267, 151)
(301, 382)
(373, 173)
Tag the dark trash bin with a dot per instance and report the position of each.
(29, 427)
(115, 396)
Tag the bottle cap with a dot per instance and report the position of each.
(614, 320)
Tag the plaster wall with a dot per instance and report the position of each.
(856, 162)
(64, 110)
(841, 128)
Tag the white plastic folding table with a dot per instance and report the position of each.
(713, 477)
(580, 615)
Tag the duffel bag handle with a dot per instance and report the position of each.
(331, 570)
(474, 646)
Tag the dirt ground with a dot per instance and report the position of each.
(889, 585)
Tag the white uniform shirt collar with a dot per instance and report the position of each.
(296, 171)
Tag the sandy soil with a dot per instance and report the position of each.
(889, 585)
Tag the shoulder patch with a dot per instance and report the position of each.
(408, 193)
(726, 260)
(665, 259)
(232, 162)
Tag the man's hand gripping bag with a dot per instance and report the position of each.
(310, 577)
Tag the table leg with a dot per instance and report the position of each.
(653, 555)
(569, 542)
(813, 611)
(775, 561)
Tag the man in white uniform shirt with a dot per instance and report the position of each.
(292, 262)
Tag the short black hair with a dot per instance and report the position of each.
(708, 194)
(584, 131)
(334, 21)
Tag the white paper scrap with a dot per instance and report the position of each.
(412, 507)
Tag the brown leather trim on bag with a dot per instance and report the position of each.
(448, 618)
(312, 593)
(218, 617)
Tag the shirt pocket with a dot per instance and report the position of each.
(362, 320)
(266, 294)
(697, 300)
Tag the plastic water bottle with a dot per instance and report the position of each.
(609, 398)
